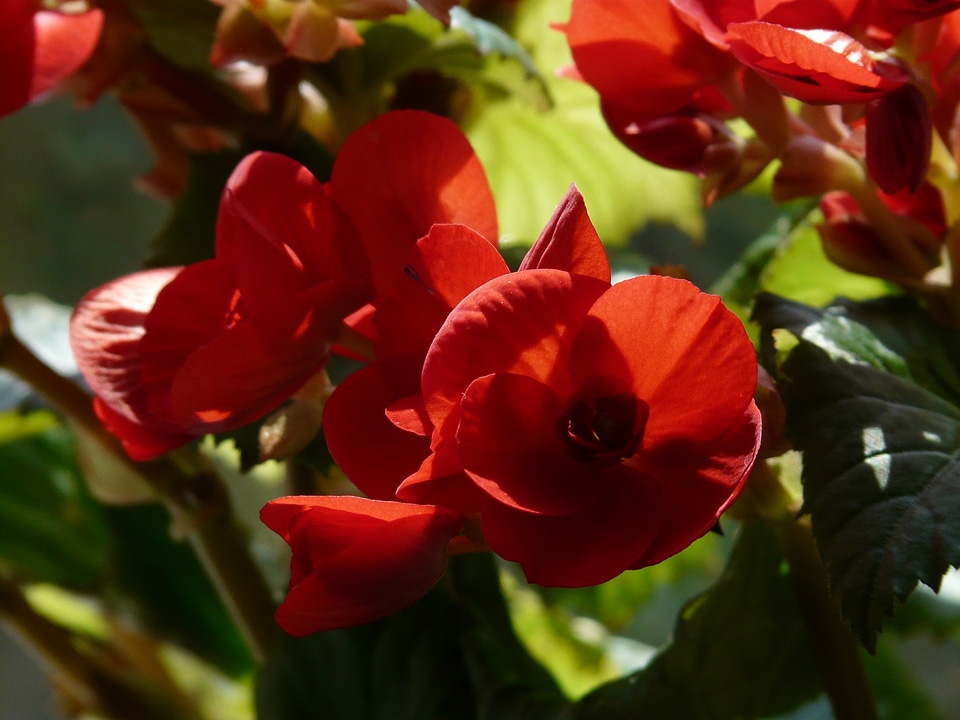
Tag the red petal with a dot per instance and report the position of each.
(237, 378)
(41, 48)
(683, 352)
(569, 242)
(509, 443)
(144, 439)
(815, 66)
(357, 560)
(416, 170)
(189, 312)
(520, 323)
(642, 56)
(697, 487)
(277, 229)
(105, 334)
(440, 480)
(586, 548)
(354, 423)
(443, 268)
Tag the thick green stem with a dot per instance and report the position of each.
(836, 650)
(199, 502)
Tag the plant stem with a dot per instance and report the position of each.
(836, 650)
(198, 502)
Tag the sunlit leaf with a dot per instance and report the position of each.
(800, 271)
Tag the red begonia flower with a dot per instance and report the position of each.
(105, 333)
(642, 56)
(608, 427)
(356, 560)
(382, 404)
(39, 48)
(230, 339)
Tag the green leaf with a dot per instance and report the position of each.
(51, 530)
(892, 333)
(898, 693)
(509, 684)
(800, 271)
(880, 477)
(162, 581)
(739, 651)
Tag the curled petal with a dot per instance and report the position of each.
(356, 560)
(569, 242)
(105, 334)
(815, 66)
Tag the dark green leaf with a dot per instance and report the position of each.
(509, 684)
(164, 583)
(739, 650)
(903, 333)
(881, 480)
(51, 530)
(405, 667)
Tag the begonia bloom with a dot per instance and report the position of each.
(39, 48)
(356, 560)
(443, 267)
(608, 427)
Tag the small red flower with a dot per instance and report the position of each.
(39, 48)
(356, 560)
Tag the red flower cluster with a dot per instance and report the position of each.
(700, 64)
(576, 427)
(40, 48)
(176, 353)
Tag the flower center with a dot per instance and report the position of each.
(603, 423)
